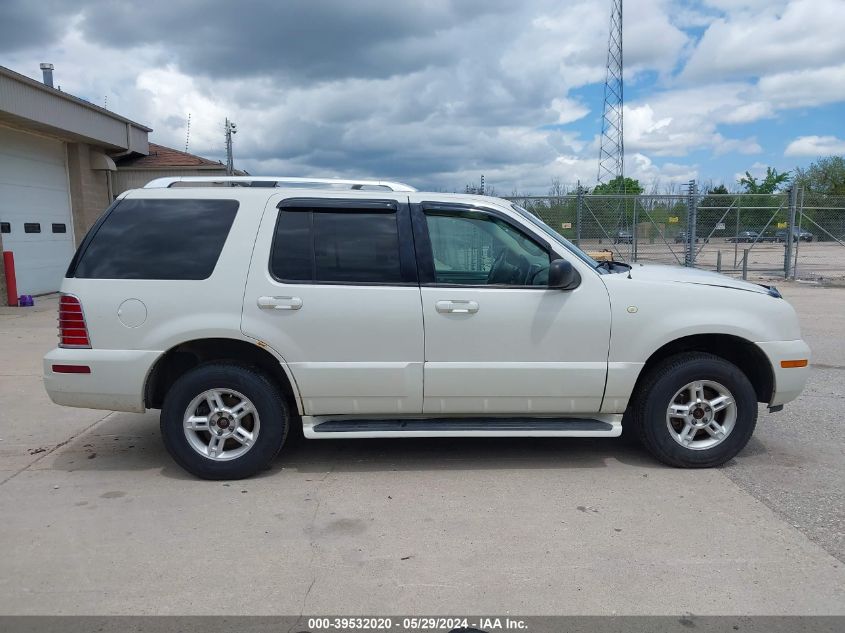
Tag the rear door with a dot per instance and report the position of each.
(333, 289)
(497, 339)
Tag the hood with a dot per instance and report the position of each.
(680, 274)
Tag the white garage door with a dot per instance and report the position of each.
(35, 209)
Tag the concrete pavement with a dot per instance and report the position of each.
(102, 521)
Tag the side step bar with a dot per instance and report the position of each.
(325, 427)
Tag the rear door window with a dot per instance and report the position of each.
(353, 246)
(156, 239)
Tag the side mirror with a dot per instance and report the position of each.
(562, 275)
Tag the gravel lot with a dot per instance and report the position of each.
(98, 520)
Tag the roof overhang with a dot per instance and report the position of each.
(29, 104)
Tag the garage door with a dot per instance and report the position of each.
(35, 209)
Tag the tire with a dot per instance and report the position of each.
(248, 404)
(668, 383)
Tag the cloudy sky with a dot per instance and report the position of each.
(436, 92)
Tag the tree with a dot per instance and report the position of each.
(822, 179)
(824, 176)
(771, 183)
(618, 185)
(713, 209)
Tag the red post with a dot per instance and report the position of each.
(11, 281)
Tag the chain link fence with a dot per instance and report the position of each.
(787, 235)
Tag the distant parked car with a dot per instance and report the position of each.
(683, 237)
(623, 237)
(745, 236)
(797, 235)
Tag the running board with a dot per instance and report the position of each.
(328, 427)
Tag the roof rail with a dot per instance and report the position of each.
(247, 181)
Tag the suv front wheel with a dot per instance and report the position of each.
(695, 410)
(224, 421)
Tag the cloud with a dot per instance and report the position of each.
(815, 146)
(298, 41)
(31, 24)
(773, 36)
(436, 92)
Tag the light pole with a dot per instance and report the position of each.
(231, 128)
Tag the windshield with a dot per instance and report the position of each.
(555, 235)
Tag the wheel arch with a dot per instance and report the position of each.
(183, 357)
(750, 359)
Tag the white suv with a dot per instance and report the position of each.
(368, 309)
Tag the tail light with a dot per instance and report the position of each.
(73, 331)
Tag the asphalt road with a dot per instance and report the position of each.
(96, 519)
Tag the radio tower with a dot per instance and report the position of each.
(612, 150)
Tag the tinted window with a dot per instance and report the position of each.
(350, 246)
(157, 239)
(32, 227)
(5, 227)
(59, 227)
(479, 249)
(292, 258)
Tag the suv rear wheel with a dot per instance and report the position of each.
(695, 410)
(224, 421)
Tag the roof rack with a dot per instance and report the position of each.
(271, 181)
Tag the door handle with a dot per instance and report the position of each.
(456, 306)
(279, 303)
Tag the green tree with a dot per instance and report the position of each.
(629, 186)
(712, 210)
(824, 194)
(824, 176)
(771, 183)
(768, 209)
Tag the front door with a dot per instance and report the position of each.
(333, 289)
(497, 340)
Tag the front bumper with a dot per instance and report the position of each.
(116, 381)
(789, 382)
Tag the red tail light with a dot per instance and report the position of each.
(73, 331)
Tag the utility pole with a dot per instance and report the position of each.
(231, 128)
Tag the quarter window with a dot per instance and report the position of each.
(475, 249)
(156, 239)
(319, 245)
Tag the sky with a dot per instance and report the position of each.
(436, 92)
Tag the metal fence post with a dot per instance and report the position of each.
(745, 263)
(692, 219)
(579, 212)
(800, 211)
(634, 230)
(790, 231)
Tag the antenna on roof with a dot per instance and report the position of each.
(188, 133)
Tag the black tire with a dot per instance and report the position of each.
(664, 381)
(258, 388)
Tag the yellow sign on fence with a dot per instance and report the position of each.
(782, 225)
(673, 219)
